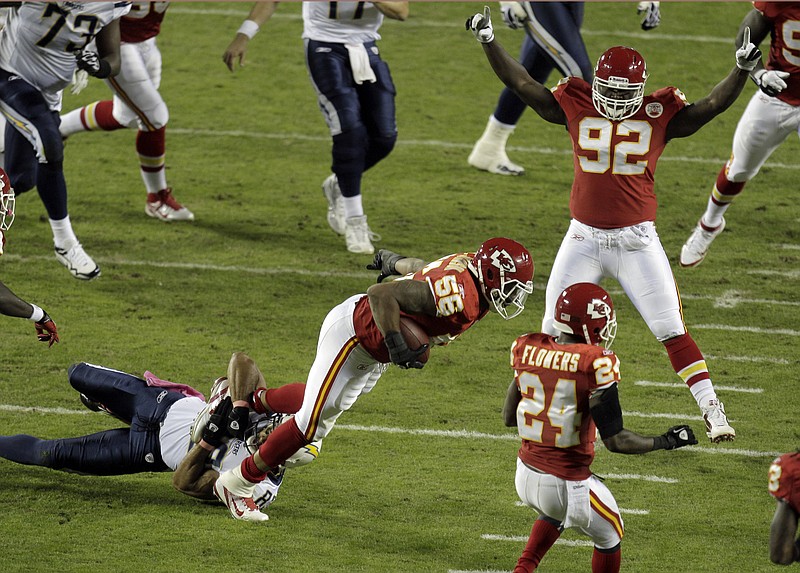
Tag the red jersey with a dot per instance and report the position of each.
(784, 479)
(459, 305)
(553, 416)
(142, 22)
(784, 48)
(615, 161)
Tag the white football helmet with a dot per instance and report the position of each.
(257, 433)
(219, 391)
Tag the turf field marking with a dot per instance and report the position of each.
(443, 144)
(789, 247)
(748, 359)
(787, 274)
(523, 538)
(657, 479)
(465, 434)
(753, 329)
(682, 385)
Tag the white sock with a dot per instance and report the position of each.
(71, 123)
(63, 235)
(703, 392)
(352, 206)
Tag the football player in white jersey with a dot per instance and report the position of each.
(41, 45)
(137, 104)
(11, 304)
(160, 417)
(355, 93)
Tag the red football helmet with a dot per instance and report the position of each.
(7, 201)
(586, 310)
(618, 85)
(505, 271)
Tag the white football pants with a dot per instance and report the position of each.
(631, 255)
(137, 103)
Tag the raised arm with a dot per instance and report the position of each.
(237, 50)
(243, 378)
(393, 10)
(694, 116)
(512, 73)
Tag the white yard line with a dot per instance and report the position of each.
(458, 434)
(621, 510)
(752, 329)
(682, 385)
(523, 538)
(748, 359)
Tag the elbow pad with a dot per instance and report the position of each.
(607, 415)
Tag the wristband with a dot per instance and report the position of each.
(37, 314)
(241, 404)
(660, 443)
(104, 71)
(249, 28)
(206, 446)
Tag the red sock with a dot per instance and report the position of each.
(687, 360)
(282, 443)
(250, 471)
(152, 143)
(728, 188)
(543, 535)
(606, 562)
(103, 117)
(287, 399)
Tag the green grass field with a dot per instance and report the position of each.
(419, 475)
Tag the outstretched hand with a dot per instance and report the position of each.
(679, 436)
(385, 261)
(748, 55)
(481, 26)
(46, 330)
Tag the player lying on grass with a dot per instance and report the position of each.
(162, 418)
(564, 391)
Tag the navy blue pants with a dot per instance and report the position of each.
(557, 45)
(111, 452)
(361, 117)
(34, 153)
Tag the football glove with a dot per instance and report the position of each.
(385, 262)
(216, 429)
(481, 26)
(771, 82)
(80, 79)
(238, 420)
(748, 55)
(650, 13)
(513, 14)
(679, 436)
(46, 330)
(401, 354)
(92, 64)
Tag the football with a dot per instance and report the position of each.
(414, 336)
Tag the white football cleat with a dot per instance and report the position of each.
(240, 504)
(493, 161)
(718, 429)
(332, 192)
(695, 248)
(359, 236)
(78, 262)
(165, 207)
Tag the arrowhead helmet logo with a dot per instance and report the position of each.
(502, 260)
(597, 309)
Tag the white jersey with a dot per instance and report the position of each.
(341, 22)
(175, 435)
(231, 455)
(39, 38)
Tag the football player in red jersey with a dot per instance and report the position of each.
(11, 304)
(361, 336)
(137, 104)
(784, 485)
(618, 134)
(564, 390)
(772, 115)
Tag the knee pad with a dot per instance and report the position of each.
(380, 147)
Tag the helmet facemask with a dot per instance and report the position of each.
(509, 299)
(7, 208)
(616, 98)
